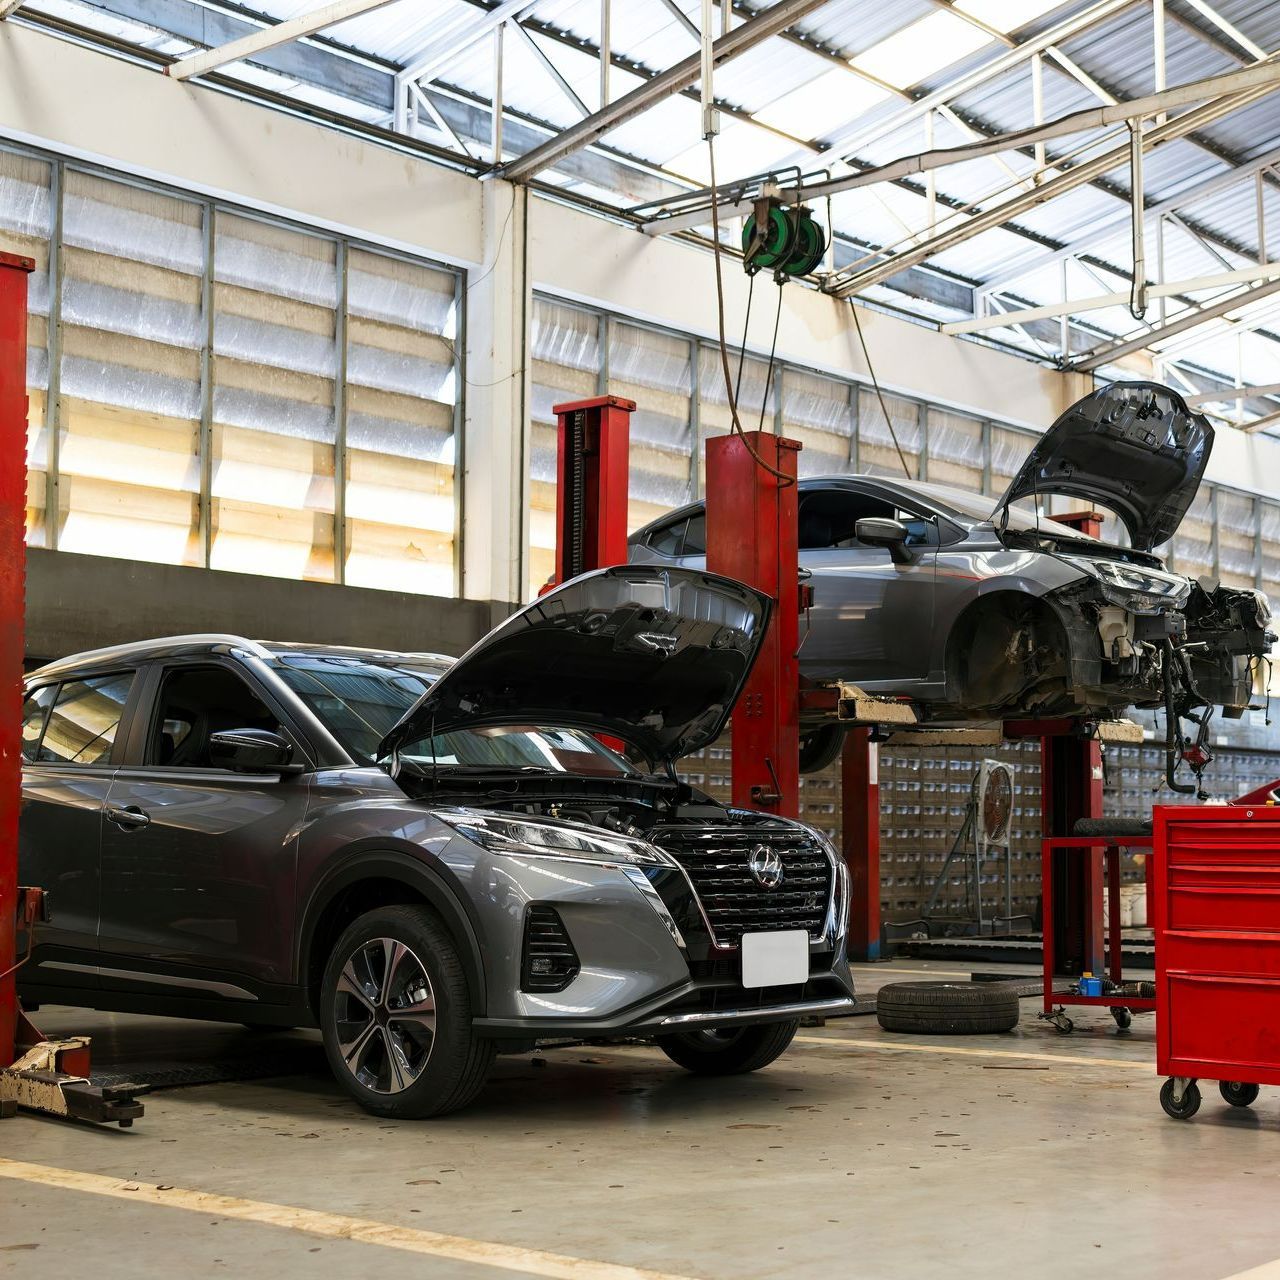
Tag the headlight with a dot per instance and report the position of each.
(549, 838)
(1135, 587)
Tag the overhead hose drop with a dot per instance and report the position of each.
(735, 423)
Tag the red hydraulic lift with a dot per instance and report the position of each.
(752, 536)
(13, 502)
(593, 442)
(39, 1074)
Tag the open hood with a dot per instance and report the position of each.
(1134, 447)
(653, 656)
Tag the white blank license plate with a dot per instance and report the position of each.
(775, 959)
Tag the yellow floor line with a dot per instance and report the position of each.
(960, 1051)
(333, 1226)
(927, 974)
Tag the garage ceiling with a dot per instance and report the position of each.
(850, 85)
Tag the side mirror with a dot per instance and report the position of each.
(881, 531)
(250, 751)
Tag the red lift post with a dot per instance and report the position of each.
(46, 1075)
(1071, 789)
(593, 442)
(752, 536)
(13, 502)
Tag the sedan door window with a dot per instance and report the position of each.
(669, 540)
(829, 518)
(82, 725)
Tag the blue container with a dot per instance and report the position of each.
(1090, 986)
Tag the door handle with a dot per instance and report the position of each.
(127, 818)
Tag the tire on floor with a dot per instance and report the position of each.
(947, 1008)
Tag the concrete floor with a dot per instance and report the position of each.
(859, 1154)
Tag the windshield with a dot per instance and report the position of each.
(359, 700)
(975, 507)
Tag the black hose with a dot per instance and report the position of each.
(1173, 730)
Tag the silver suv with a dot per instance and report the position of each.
(432, 861)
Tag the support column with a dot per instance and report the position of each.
(494, 448)
(860, 840)
(13, 505)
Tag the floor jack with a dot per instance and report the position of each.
(51, 1076)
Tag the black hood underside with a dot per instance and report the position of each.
(1132, 446)
(653, 656)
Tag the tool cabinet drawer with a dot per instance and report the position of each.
(1219, 1027)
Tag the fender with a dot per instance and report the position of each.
(413, 873)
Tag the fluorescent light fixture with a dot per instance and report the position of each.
(825, 102)
(913, 54)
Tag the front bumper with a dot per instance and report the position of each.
(635, 975)
(691, 1006)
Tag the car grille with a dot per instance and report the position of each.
(716, 860)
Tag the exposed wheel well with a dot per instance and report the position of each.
(1005, 648)
(348, 904)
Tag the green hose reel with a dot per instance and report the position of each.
(786, 241)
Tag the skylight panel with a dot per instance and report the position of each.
(1006, 15)
(816, 108)
(913, 54)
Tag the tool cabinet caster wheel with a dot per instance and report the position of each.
(1187, 1106)
(1238, 1094)
(1063, 1025)
(1124, 1019)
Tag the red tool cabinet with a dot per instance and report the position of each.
(1217, 920)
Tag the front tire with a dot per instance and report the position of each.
(396, 1014)
(730, 1051)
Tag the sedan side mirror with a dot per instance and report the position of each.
(250, 751)
(882, 531)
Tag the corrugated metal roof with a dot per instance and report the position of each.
(805, 95)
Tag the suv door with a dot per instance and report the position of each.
(70, 737)
(198, 862)
(872, 618)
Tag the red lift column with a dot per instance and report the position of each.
(13, 504)
(860, 839)
(752, 536)
(1071, 789)
(593, 438)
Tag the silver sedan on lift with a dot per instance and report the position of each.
(975, 609)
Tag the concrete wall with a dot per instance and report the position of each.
(77, 602)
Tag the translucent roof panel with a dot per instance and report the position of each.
(836, 93)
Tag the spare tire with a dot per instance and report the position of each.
(947, 1008)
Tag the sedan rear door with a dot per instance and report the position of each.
(872, 617)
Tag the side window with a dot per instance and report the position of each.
(82, 725)
(195, 702)
(695, 536)
(668, 540)
(921, 531)
(35, 707)
(828, 517)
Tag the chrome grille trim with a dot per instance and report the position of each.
(714, 859)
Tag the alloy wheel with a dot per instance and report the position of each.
(385, 1015)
